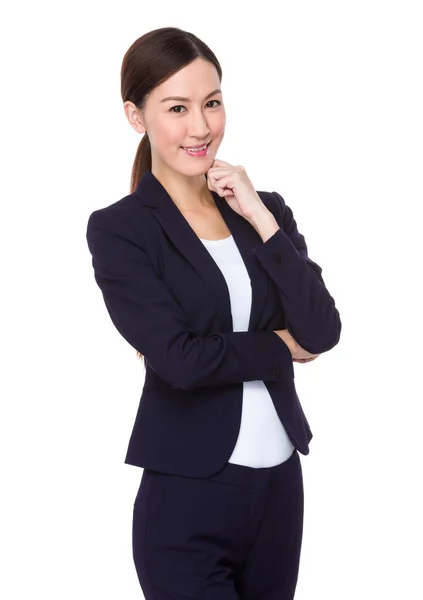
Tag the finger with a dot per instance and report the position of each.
(222, 183)
(220, 171)
(220, 163)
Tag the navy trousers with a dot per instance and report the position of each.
(234, 535)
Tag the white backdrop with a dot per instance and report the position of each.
(333, 90)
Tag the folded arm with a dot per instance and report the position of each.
(311, 314)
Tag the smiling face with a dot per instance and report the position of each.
(173, 124)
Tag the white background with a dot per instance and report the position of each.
(324, 105)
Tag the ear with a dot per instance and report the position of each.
(134, 116)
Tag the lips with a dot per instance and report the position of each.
(193, 147)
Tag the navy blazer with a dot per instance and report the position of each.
(167, 297)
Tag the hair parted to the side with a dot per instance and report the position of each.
(150, 60)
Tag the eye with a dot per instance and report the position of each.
(181, 106)
(218, 102)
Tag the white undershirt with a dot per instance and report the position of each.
(262, 439)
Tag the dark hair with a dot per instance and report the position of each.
(150, 60)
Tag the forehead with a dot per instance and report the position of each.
(194, 81)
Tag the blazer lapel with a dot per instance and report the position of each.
(153, 194)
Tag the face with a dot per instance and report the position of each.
(175, 124)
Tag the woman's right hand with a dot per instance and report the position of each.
(298, 353)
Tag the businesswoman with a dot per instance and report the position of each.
(211, 283)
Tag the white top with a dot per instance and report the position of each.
(262, 439)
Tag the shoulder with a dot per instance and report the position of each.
(122, 210)
(126, 217)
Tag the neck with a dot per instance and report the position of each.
(188, 192)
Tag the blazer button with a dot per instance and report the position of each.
(277, 258)
(277, 372)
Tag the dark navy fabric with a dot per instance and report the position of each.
(167, 297)
(234, 535)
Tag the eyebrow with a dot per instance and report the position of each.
(218, 91)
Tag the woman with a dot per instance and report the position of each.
(210, 281)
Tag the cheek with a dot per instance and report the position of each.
(219, 126)
(170, 137)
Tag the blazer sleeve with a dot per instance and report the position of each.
(312, 317)
(151, 321)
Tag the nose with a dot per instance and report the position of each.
(198, 128)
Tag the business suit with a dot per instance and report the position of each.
(169, 300)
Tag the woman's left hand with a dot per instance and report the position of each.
(232, 183)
